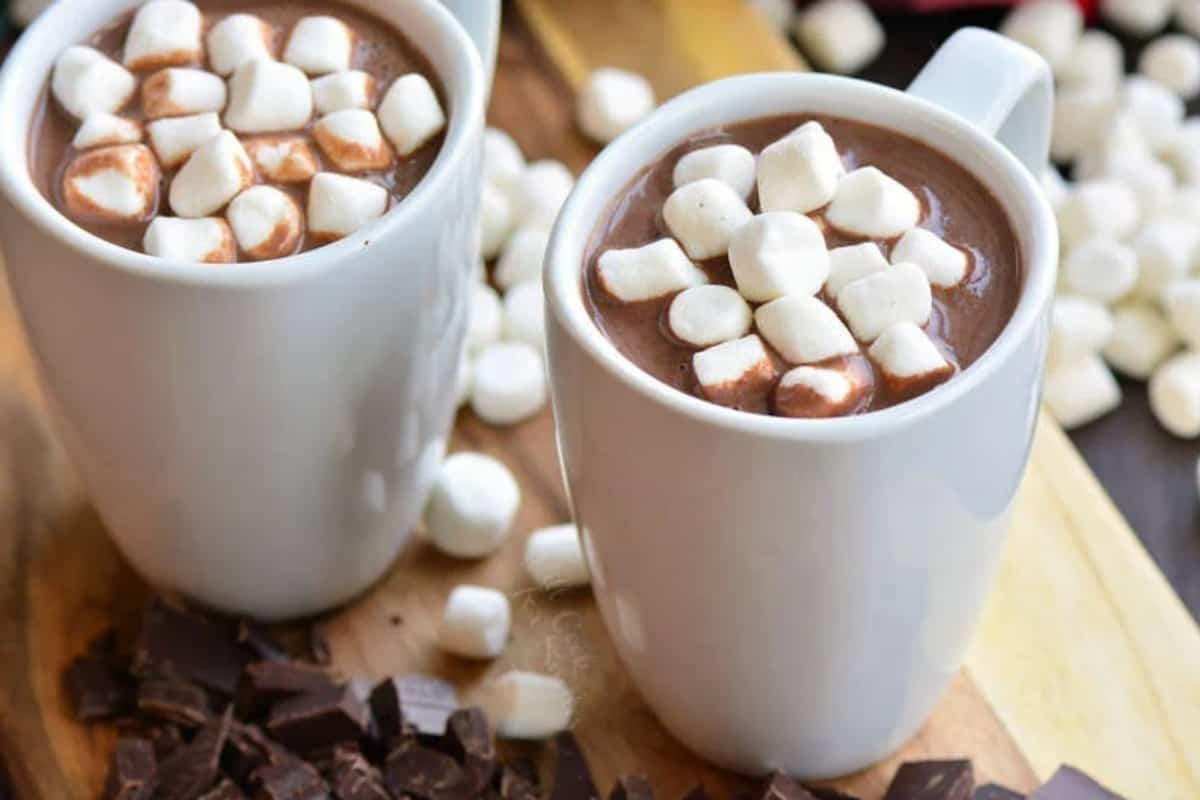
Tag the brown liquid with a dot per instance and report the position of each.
(379, 50)
(965, 320)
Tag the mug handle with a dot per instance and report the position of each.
(1001, 87)
(481, 20)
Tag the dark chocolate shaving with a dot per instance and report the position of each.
(173, 700)
(572, 775)
(355, 779)
(932, 780)
(133, 771)
(418, 771)
(192, 769)
(292, 779)
(99, 688)
(423, 702)
(319, 720)
(180, 644)
(469, 739)
(225, 790)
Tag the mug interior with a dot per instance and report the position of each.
(750, 97)
(425, 23)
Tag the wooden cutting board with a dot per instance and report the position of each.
(1084, 655)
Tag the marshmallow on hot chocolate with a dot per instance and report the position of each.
(1079, 327)
(1049, 27)
(320, 44)
(349, 88)
(266, 222)
(112, 184)
(878, 301)
(101, 129)
(800, 172)
(522, 258)
(351, 139)
(819, 392)
(706, 315)
(731, 163)
(176, 91)
(840, 36)
(176, 138)
(872, 204)
(509, 384)
(540, 192)
(554, 558)
(908, 360)
(945, 264)
(283, 159)
(528, 705)
(1141, 340)
(1081, 391)
(268, 97)
(212, 176)
(1173, 61)
(613, 101)
(1175, 395)
(643, 273)
(1100, 268)
(474, 622)
(471, 506)
(852, 262)
(206, 240)
(85, 81)
(778, 253)
(163, 33)
(704, 216)
(338, 205)
(410, 113)
(804, 330)
(731, 369)
(237, 39)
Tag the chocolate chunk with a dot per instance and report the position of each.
(174, 701)
(355, 779)
(469, 739)
(225, 790)
(515, 784)
(262, 645)
(133, 773)
(319, 719)
(265, 683)
(292, 779)
(166, 739)
(423, 702)
(184, 645)
(99, 688)
(781, 787)
(829, 793)
(631, 787)
(247, 749)
(994, 791)
(932, 780)
(192, 769)
(318, 646)
(418, 771)
(1069, 783)
(697, 792)
(572, 775)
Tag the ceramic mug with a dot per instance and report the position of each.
(796, 594)
(260, 437)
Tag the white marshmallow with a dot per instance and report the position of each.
(725, 370)
(471, 506)
(1080, 392)
(703, 216)
(1183, 152)
(1136, 17)
(163, 33)
(101, 129)
(176, 138)
(496, 220)
(1095, 208)
(804, 330)
(1157, 110)
(283, 159)
(1049, 27)
(872, 204)
(112, 184)
(411, 113)
(1100, 268)
(1141, 340)
(1187, 16)
(268, 97)
(503, 161)
(522, 258)
(206, 240)
(485, 318)
(475, 622)
(1174, 61)
(909, 362)
(85, 81)
(1181, 302)
(644, 273)
(1185, 204)
(945, 264)
(339, 205)
(777, 12)
(612, 102)
(554, 558)
(1175, 395)
(527, 705)
(509, 384)
(818, 392)
(540, 193)
(212, 176)
(706, 315)
(525, 315)
(337, 91)
(840, 36)
(1116, 140)
(778, 253)
(878, 301)
(1080, 114)
(1079, 327)
(1165, 251)
(351, 139)
(177, 91)
(1153, 184)
(320, 44)
(852, 262)
(1097, 59)
(800, 172)
(266, 222)
(237, 39)
(731, 163)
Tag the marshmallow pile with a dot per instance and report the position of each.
(243, 144)
(841, 36)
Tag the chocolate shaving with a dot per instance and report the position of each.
(319, 719)
(932, 780)
(423, 702)
(469, 739)
(781, 787)
(514, 784)
(265, 683)
(355, 779)
(133, 771)
(180, 644)
(225, 790)
(173, 701)
(1068, 783)
(631, 787)
(99, 688)
(192, 769)
(572, 775)
(419, 771)
(292, 779)
(166, 739)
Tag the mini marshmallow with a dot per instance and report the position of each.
(1115, 140)
(86, 81)
(1157, 110)
(1051, 28)
(283, 159)
(804, 330)
(485, 318)
(1173, 61)
(704, 216)
(503, 161)
(800, 172)
(1141, 340)
(1053, 187)
(176, 138)
(1185, 204)
(1079, 327)
(206, 240)
(706, 315)
(101, 129)
(525, 315)
(522, 258)
(1187, 16)
(1093, 208)
(339, 205)
(872, 204)
(475, 622)
(266, 223)
(338, 91)
(840, 36)
(351, 139)
(1165, 250)
(1080, 392)
(1181, 302)
(644, 273)
(554, 558)
(112, 184)
(528, 705)
(1100, 268)
(731, 163)
(540, 193)
(729, 370)
(880, 300)
(778, 253)
(411, 113)
(163, 33)
(819, 392)
(909, 362)
(176, 92)
(509, 384)
(320, 44)
(495, 220)
(1079, 115)
(612, 102)
(1152, 182)
(1136, 17)
(267, 97)
(471, 506)
(237, 39)
(1174, 394)
(212, 176)
(1096, 60)
(777, 12)
(852, 262)
(945, 264)
(1183, 152)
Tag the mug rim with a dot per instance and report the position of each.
(563, 269)
(16, 182)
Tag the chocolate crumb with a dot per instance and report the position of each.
(133, 771)
(572, 775)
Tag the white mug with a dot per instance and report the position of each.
(796, 594)
(260, 437)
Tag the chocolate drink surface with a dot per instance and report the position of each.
(963, 321)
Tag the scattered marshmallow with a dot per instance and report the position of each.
(800, 172)
(496, 219)
(1181, 302)
(351, 139)
(1151, 181)
(112, 184)
(728, 371)
(1097, 59)
(319, 45)
(1049, 27)
(1173, 61)
(485, 318)
(1136, 17)
(411, 113)
(471, 506)
(338, 91)
(909, 362)
(540, 193)
(1157, 110)
(820, 392)
(163, 33)
(206, 240)
(703, 316)
(237, 39)
(177, 91)
(945, 264)
(528, 705)
(1079, 114)
(338, 205)
(1183, 152)
(872, 204)
(525, 314)
(554, 558)
(1187, 16)
(612, 102)
(880, 300)
(778, 253)
(268, 97)
(509, 384)
(176, 138)
(1165, 250)
(852, 262)
(1053, 187)
(1141, 340)
(642, 273)
(101, 130)
(1175, 395)
(86, 81)
(731, 163)
(840, 36)
(1115, 140)
(1080, 392)
(1100, 268)
(266, 222)
(522, 258)
(212, 176)
(1079, 327)
(503, 161)
(778, 12)
(804, 330)
(475, 622)
(283, 159)
(1094, 208)
(704, 216)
